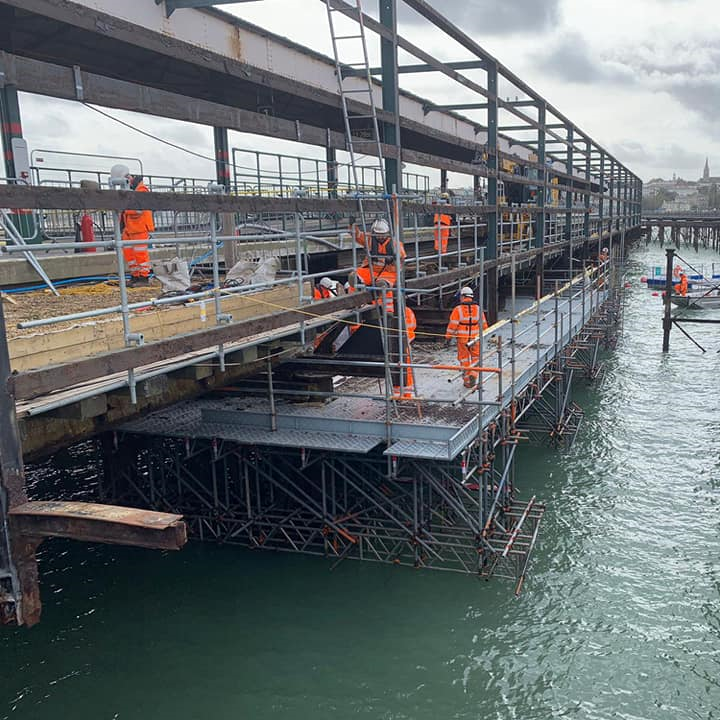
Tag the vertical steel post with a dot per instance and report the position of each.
(601, 203)
(219, 316)
(125, 311)
(569, 213)
(667, 319)
(332, 171)
(586, 220)
(299, 271)
(611, 204)
(492, 219)
(222, 157)
(10, 129)
(513, 324)
(390, 92)
(569, 193)
(540, 197)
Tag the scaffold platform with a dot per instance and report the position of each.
(438, 424)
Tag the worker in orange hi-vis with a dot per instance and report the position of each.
(134, 225)
(326, 288)
(465, 326)
(381, 249)
(441, 224)
(682, 287)
(410, 329)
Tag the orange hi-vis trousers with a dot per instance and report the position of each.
(467, 356)
(387, 273)
(138, 259)
(408, 382)
(442, 224)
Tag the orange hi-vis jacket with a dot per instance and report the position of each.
(682, 287)
(441, 223)
(380, 249)
(322, 293)
(137, 224)
(465, 322)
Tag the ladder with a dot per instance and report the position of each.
(355, 45)
(360, 88)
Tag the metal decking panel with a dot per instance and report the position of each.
(186, 421)
(419, 449)
(352, 423)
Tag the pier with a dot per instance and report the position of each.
(683, 230)
(254, 413)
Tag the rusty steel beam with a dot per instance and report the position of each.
(92, 522)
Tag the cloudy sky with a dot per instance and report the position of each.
(642, 77)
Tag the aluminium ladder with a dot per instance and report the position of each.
(362, 90)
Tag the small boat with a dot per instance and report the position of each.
(693, 280)
(696, 301)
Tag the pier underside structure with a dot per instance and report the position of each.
(255, 413)
(683, 230)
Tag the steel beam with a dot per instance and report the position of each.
(172, 5)
(222, 157)
(541, 194)
(421, 68)
(390, 93)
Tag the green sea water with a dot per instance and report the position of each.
(620, 617)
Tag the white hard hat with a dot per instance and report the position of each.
(119, 171)
(380, 227)
(326, 282)
(467, 291)
(605, 250)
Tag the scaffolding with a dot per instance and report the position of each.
(343, 473)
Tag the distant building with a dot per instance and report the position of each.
(706, 171)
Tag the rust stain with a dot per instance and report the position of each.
(236, 47)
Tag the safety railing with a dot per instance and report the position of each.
(256, 172)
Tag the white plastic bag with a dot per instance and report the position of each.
(174, 275)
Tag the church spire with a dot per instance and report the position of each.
(706, 171)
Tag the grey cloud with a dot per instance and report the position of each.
(667, 156)
(189, 136)
(701, 96)
(688, 72)
(568, 59)
(493, 17)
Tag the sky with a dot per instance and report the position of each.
(642, 77)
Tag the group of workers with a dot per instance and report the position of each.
(379, 270)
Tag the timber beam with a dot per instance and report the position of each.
(92, 522)
(35, 383)
(47, 198)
